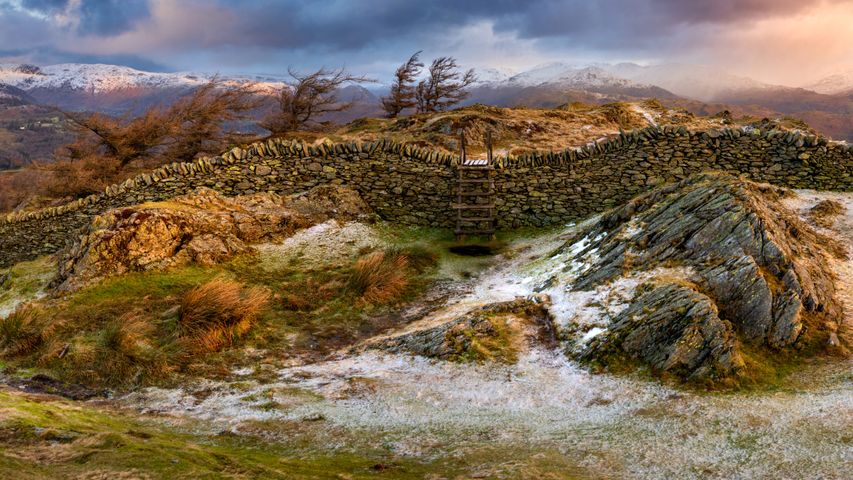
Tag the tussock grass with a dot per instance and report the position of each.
(215, 313)
(123, 350)
(381, 277)
(24, 331)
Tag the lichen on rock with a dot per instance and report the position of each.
(762, 277)
(494, 332)
(204, 227)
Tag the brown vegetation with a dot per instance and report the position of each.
(193, 125)
(24, 330)
(382, 277)
(403, 93)
(445, 86)
(824, 212)
(214, 314)
(308, 97)
(107, 149)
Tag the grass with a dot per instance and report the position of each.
(498, 344)
(24, 330)
(25, 281)
(216, 313)
(44, 438)
(381, 277)
(160, 327)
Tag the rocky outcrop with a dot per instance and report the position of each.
(673, 328)
(203, 227)
(762, 276)
(494, 332)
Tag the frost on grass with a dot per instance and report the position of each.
(620, 426)
(24, 283)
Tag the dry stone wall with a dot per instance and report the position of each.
(414, 186)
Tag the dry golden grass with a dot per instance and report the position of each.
(25, 330)
(381, 277)
(825, 212)
(215, 313)
(517, 130)
(124, 350)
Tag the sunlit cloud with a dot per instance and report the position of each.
(776, 41)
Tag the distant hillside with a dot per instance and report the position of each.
(14, 97)
(29, 130)
(31, 133)
(520, 130)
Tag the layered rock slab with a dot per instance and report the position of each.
(762, 276)
(204, 227)
(493, 332)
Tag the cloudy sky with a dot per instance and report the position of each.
(778, 41)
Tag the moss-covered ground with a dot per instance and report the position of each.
(43, 438)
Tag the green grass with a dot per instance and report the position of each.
(499, 345)
(44, 438)
(311, 312)
(26, 280)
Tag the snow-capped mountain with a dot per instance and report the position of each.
(693, 81)
(111, 88)
(570, 76)
(100, 78)
(489, 76)
(841, 82)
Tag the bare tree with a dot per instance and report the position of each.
(200, 120)
(444, 87)
(122, 139)
(308, 97)
(194, 124)
(403, 92)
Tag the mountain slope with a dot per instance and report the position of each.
(838, 83)
(13, 97)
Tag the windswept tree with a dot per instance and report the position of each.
(194, 124)
(445, 86)
(308, 97)
(403, 93)
(109, 149)
(203, 122)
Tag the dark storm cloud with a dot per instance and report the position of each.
(632, 23)
(100, 17)
(353, 24)
(110, 17)
(263, 35)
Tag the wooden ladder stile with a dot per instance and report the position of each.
(475, 193)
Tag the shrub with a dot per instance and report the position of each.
(215, 313)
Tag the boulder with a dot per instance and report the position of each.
(762, 276)
(494, 332)
(671, 327)
(203, 227)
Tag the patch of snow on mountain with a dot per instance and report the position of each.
(490, 76)
(98, 78)
(833, 84)
(589, 77)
